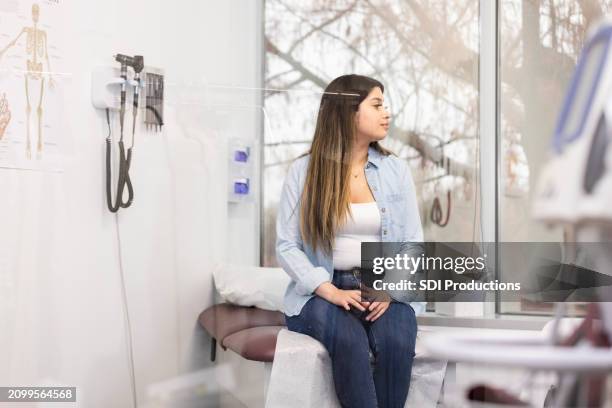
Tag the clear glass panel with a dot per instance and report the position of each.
(540, 41)
(425, 53)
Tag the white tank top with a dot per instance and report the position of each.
(364, 226)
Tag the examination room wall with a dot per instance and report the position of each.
(61, 309)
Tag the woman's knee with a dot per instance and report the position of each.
(402, 315)
(342, 329)
(311, 317)
(320, 311)
(324, 321)
(398, 334)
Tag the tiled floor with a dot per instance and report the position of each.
(222, 400)
(228, 401)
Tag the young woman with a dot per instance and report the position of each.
(348, 189)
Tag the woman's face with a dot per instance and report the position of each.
(372, 118)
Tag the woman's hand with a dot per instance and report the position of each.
(377, 310)
(381, 303)
(340, 297)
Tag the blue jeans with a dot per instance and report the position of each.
(348, 338)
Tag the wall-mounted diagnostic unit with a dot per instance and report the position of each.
(111, 87)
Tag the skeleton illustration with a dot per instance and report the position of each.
(36, 50)
(5, 115)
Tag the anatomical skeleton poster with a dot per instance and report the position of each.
(31, 84)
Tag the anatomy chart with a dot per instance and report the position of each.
(31, 84)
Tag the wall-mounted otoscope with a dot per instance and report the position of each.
(124, 60)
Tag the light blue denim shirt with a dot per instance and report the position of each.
(391, 183)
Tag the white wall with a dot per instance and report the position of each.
(61, 310)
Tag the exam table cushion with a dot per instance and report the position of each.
(246, 285)
(256, 343)
(225, 319)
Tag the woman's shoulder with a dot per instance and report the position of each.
(299, 163)
(298, 167)
(396, 165)
(301, 159)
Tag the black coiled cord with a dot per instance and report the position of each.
(123, 178)
(436, 211)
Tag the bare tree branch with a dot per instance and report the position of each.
(428, 151)
(306, 73)
(320, 27)
(377, 70)
(279, 74)
(435, 154)
(285, 87)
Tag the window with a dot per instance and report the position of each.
(427, 53)
(540, 41)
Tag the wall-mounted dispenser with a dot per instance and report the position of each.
(154, 103)
(240, 174)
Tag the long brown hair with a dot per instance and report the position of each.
(326, 197)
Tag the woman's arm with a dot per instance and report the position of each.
(289, 246)
(412, 241)
(290, 250)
